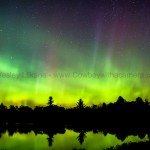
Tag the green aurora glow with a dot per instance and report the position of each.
(67, 42)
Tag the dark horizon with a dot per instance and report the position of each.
(24, 114)
(100, 103)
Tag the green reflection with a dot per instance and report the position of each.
(68, 141)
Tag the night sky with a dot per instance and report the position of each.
(100, 49)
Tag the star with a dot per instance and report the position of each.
(11, 57)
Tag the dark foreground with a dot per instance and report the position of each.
(121, 118)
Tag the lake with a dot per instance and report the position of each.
(70, 140)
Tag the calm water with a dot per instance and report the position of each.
(67, 141)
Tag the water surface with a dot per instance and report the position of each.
(70, 140)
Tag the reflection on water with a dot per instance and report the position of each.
(70, 140)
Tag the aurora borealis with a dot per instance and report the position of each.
(90, 49)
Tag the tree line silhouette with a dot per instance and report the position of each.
(121, 118)
(132, 113)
